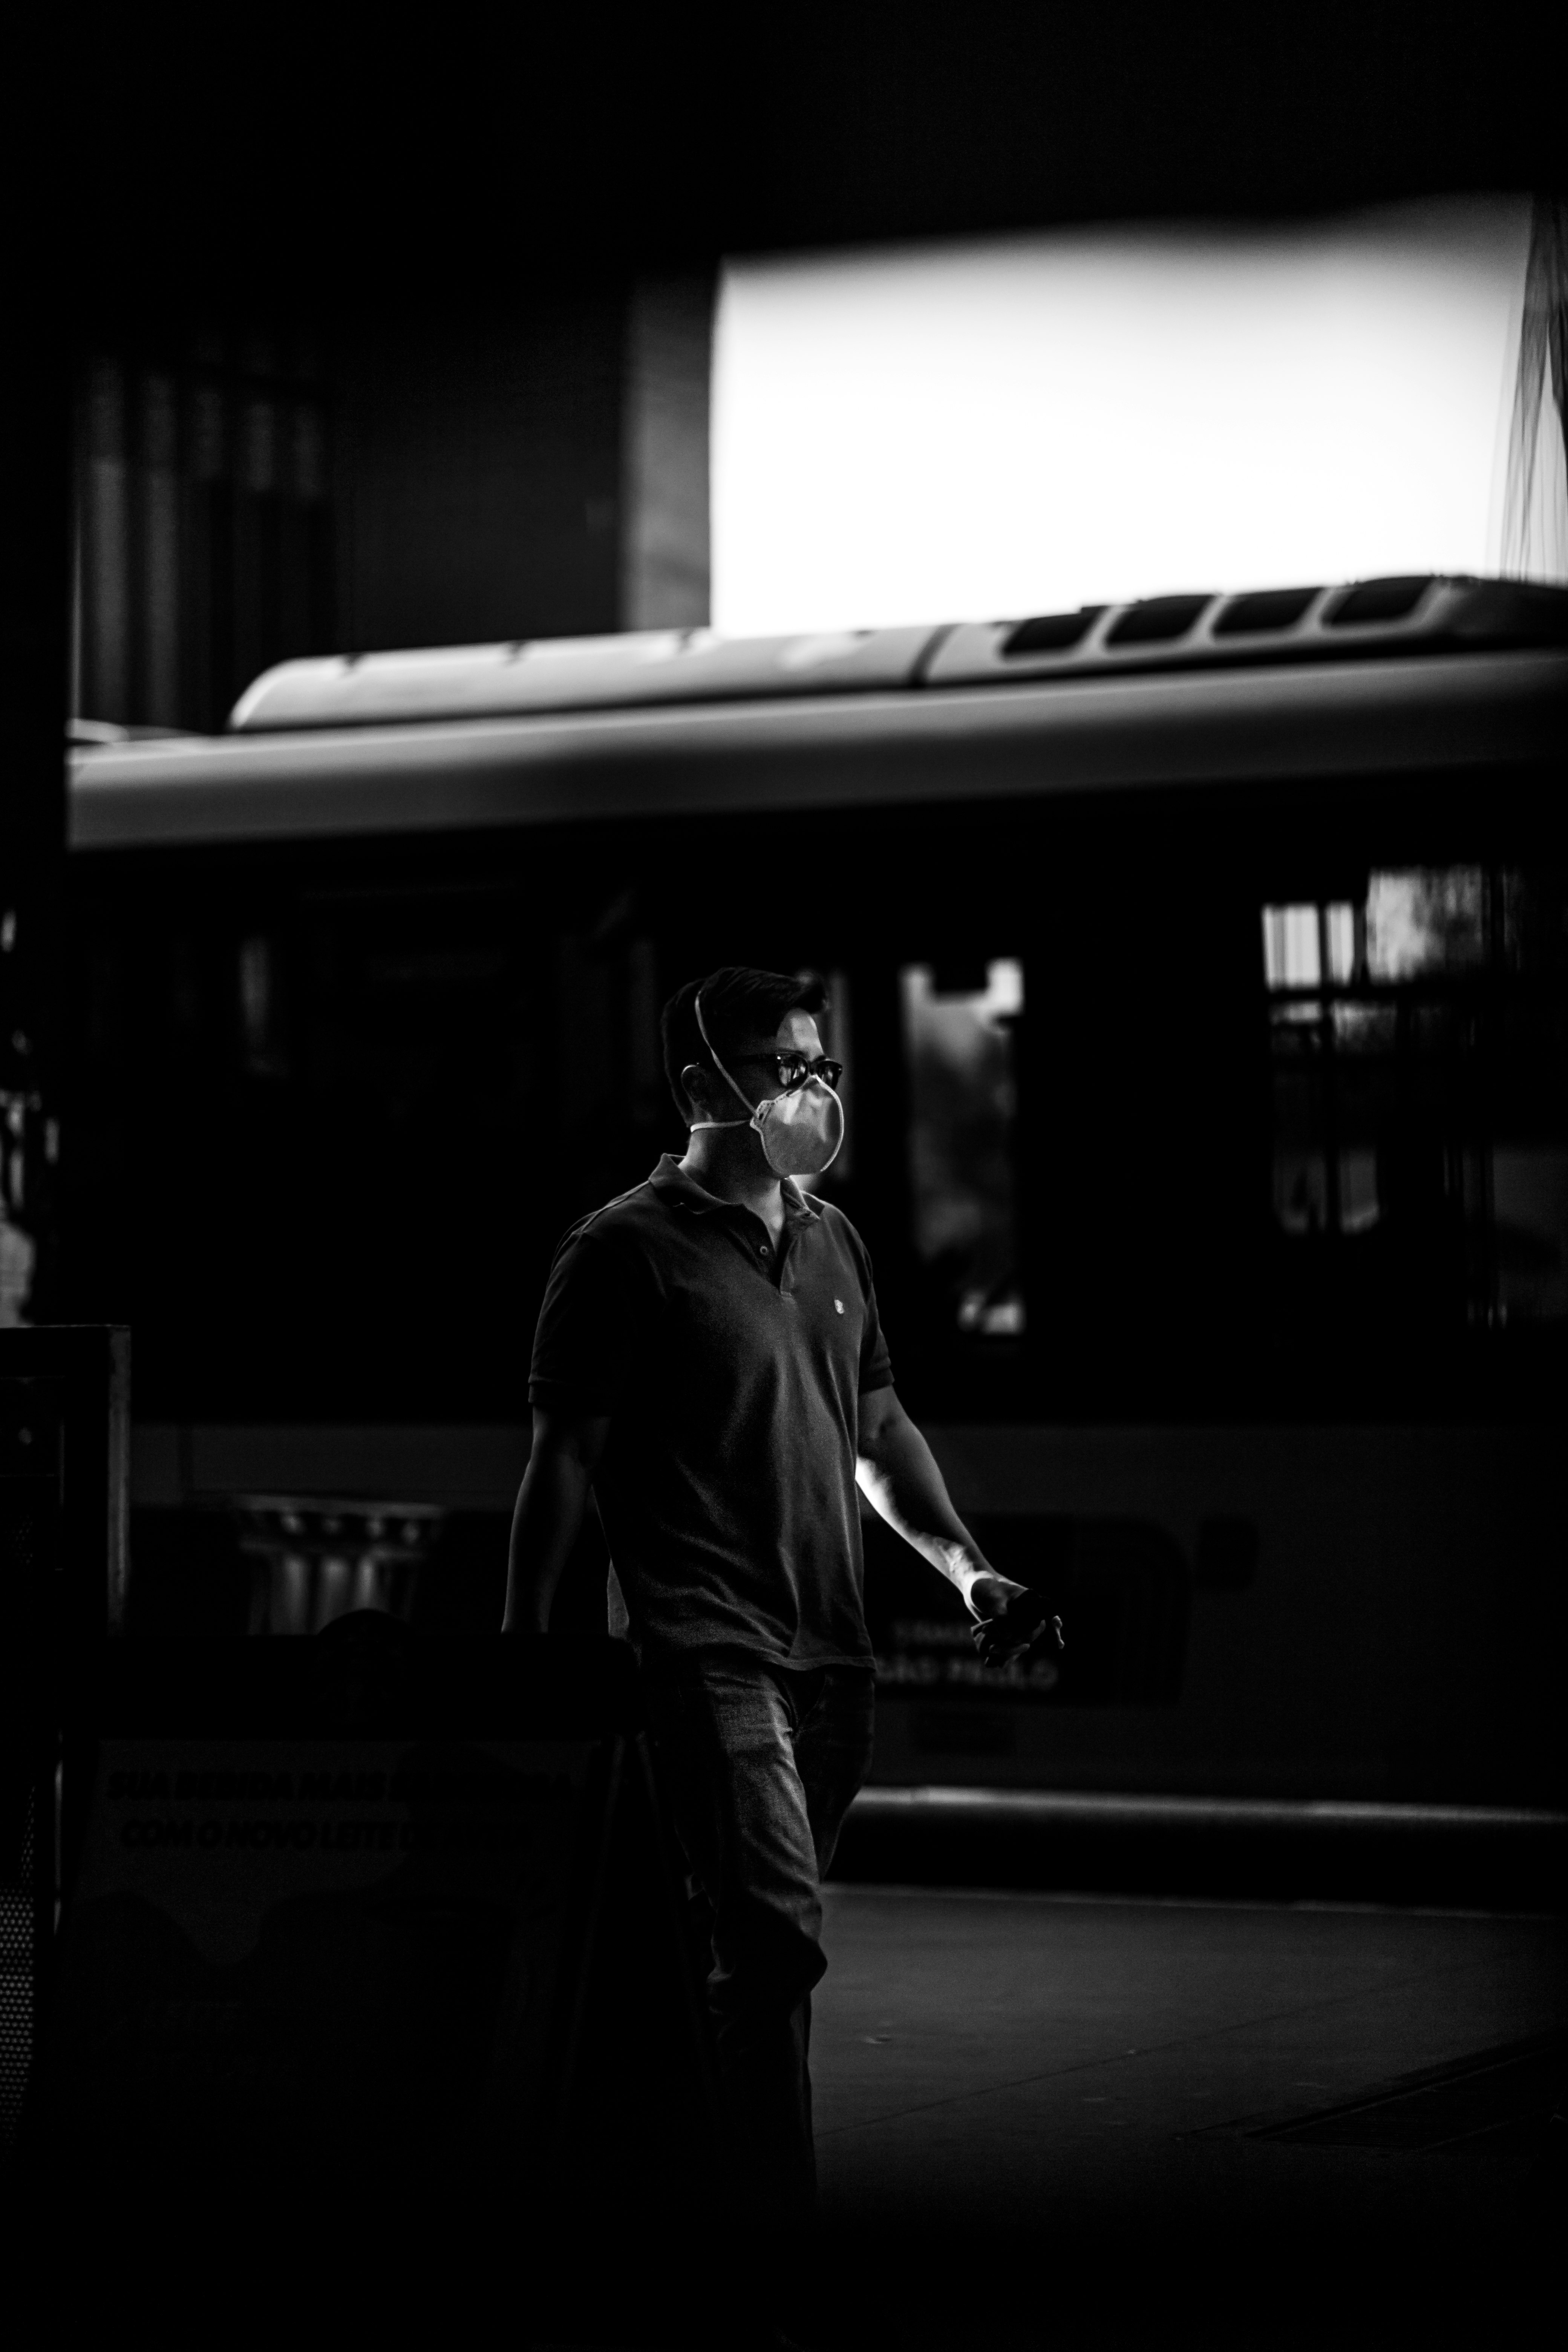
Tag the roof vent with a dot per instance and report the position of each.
(1378, 600)
(1054, 633)
(1268, 609)
(1157, 620)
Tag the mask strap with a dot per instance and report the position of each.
(752, 1110)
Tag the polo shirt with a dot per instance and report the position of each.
(730, 1372)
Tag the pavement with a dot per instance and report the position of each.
(1039, 2122)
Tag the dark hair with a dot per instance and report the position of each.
(735, 1000)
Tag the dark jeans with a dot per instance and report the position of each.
(759, 1765)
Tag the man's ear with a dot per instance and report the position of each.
(694, 1086)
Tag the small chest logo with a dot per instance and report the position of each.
(838, 1307)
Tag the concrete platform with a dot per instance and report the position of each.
(1037, 2121)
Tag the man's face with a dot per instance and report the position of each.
(756, 1063)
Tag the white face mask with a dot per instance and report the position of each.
(802, 1131)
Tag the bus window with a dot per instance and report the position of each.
(1304, 945)
(1417, 1051)
(1427, 921)
(958, 1046)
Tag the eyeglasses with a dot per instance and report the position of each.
(793, 1069)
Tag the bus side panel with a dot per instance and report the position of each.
(1400, 1638)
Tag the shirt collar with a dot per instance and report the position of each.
(798, 1203)
(671, 1178)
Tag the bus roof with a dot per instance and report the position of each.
(653, 668)
(1254, 727)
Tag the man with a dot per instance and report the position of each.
(710, 1361)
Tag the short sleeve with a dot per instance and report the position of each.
(875, 1365)
(587, 1328)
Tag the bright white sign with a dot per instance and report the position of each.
(979, 431)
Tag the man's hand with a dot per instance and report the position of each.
(1012, 1620)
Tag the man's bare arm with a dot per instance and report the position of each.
(548, 1519)
(898, 1474)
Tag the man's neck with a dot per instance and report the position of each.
(734, 1169)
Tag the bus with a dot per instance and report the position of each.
(1198, 968)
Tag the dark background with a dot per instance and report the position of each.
(437, 237)
(322, 158)
(355, 309)
(425, 246)
(431, 232)
(401, 265)
(426, 255)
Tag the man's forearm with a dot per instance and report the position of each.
(545, 1525)
(899, 1474)
(897, 1471)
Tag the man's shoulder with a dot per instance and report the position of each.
(631, 1213)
